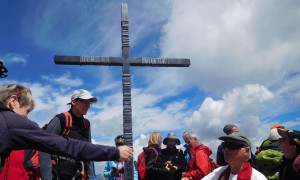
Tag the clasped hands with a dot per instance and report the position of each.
(169, 166)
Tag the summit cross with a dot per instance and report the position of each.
(125, 61)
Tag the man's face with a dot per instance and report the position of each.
(171, 143)
(81, 106)
(235, 153)
(190, 141)
(287, 149)
(234, 129)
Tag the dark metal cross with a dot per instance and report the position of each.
(125, 61)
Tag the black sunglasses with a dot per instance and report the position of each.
(232, 145)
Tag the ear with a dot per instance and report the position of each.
(11, 102)
(73, 102)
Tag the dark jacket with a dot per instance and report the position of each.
(177, 159)
(220, 156)
(286, 171)
(155, 167)
(18, 132)
(78, 131)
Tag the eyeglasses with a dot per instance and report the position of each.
(85, 101)
(233, 146)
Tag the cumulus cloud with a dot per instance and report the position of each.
(241, 106)
(232, 44)
(66, 79)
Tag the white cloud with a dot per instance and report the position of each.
(15, 58)
(241, 106)
(232, 44)
(67, 80)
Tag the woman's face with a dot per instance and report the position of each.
(23, 111)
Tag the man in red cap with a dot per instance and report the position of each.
(289, 144)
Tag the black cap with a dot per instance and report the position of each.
(291, 135)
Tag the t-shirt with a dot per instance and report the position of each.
(217, 172)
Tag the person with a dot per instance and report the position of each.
(66, 168)
(114, 170)
(289, 144)
(155, 167)
(228, 129)
(173, 157)
(186, 152)
(18, 132)
(13, 167)
(199, 163)
(268, 156)
(237, 152)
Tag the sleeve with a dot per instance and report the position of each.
(25, 134)
(151, 164)
(53, 127)
(107, 170)
(202, 166)
(181, 162)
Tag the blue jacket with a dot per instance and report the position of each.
(18, 132)
(186, 154)
(113, 164)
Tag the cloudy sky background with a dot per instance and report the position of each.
(245, 64)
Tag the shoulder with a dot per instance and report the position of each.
(216, 173)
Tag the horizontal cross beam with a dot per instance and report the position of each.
(118, 61)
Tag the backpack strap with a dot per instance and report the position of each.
(156, 153)
(69, 123)
(86, 123)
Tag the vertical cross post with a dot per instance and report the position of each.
(125, 61)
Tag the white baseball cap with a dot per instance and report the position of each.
(83, 94)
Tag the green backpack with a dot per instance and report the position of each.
(269, 159)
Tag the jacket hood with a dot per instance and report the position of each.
(206, 149)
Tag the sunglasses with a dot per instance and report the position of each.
(232, 146)
(84, 101)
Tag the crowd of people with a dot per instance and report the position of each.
(65, 151)
(278, 159)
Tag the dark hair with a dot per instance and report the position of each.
(119, 140)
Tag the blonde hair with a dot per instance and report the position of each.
(155, 139)
(23, 95)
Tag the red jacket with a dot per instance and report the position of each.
(199, 164)
(15, 165)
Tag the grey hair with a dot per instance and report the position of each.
(191, 134)
(23, 95)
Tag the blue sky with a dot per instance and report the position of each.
(245, 64)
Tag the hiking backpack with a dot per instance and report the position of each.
(269, 159)
(31, 163)
(212, 163)
(141, 164)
